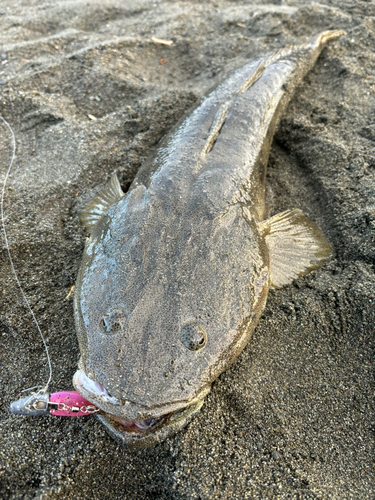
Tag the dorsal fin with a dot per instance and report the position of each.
(98, 206)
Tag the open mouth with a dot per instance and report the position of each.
(150, 432)
(141, 426)
(134, 433)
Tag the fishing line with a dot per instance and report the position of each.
(43, 389)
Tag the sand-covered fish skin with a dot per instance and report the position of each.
(175, 273)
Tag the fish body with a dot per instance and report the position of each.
(175, 273)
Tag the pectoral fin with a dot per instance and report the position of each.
(296, 246)
(98, 206)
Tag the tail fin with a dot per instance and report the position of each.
(327, 36)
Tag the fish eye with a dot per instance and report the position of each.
(193, 336)
(113, 322)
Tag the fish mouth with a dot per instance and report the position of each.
(140, 426)
(158, 425)
(149, 432)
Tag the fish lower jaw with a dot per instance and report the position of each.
(150, 432)
(136, 433)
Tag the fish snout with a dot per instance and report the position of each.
(128, 410)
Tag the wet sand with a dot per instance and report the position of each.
(88, 92)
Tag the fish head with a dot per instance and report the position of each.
(161, 310)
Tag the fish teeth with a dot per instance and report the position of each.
(94, 388)
(145, 424)
(140, 425)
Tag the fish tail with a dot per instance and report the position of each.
(327, 36)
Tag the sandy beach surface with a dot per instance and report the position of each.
(88, 92)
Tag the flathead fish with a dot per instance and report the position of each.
(175, 272)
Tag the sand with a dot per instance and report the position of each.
(88, 92)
